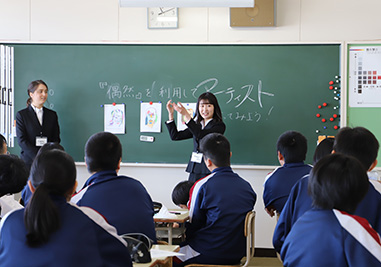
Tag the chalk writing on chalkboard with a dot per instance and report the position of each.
(234, 97)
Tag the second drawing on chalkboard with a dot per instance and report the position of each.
(150, 117)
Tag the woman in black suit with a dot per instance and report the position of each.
(208, 119)
(36, 125)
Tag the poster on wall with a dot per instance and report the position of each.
(364, 76)
(191, 108)
(114, 118)
(150, 117)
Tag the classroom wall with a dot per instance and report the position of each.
(103, 21)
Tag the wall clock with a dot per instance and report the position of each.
(162, 18)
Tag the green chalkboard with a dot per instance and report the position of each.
(263, 91)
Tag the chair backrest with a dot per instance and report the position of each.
(249, 232)
(250, 236)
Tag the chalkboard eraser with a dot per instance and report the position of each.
(145, 138)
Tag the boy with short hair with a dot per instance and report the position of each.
(292, 150)
(357, 142)
(13, 177)
(3, 145)
(122, 200)
(180, 194)
(218, 207)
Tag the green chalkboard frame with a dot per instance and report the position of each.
(263, 91)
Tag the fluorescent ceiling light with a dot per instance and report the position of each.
(186, 3)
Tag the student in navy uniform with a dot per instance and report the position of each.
(327, 234)
(26, 193)
(13, 177)
(218, 207)
(208, 119)
(36, 124)
(122, 200)
(52, 232)
(292, 150)
(357, 142)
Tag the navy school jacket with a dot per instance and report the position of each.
(84, 239)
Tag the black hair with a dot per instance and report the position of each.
(293, 146)
(357, 142)
(50, 146)
(13, 174)
(102, 152)
(338, 181)
(180, 194)
(216, 147)
(217, 114)
(53, 173)
(324, 148)
(3, 144)
(32, 87)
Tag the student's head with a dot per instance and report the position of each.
(338, 181)
(53, 175)
(357, 142)
(37, 93)
(13, 174)
(216, 148)
(103, 151)
(180, 194)
(292, 146)
(324, 148)
(3, 145)
(50, 146)
(207, 108)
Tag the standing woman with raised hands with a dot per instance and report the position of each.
(208, 119)
(36, 124)
(52, 232)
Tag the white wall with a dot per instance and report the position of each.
(103, 21)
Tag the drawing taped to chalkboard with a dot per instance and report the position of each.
(114, 118)
(150, 117)
(191, 108)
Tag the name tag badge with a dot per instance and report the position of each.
(196, 157)
(41, 140)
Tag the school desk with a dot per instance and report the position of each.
(175, 216)
(162, 261)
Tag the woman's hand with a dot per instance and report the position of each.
(170, 109)
(183, 111)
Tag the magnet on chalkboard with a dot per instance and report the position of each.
(101, 106)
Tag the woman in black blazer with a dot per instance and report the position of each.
(36, 125)
(208, 119)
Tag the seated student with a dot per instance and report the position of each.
(292, 150)
(122, 200)
(218, 207)
(328, 235)
(180, 194)
(324, 148)
(26, 193)
(13, 177)
(3, 145)
(52, 232)
(357, 142)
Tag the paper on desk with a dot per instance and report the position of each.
(158, 253)
(165, 213)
